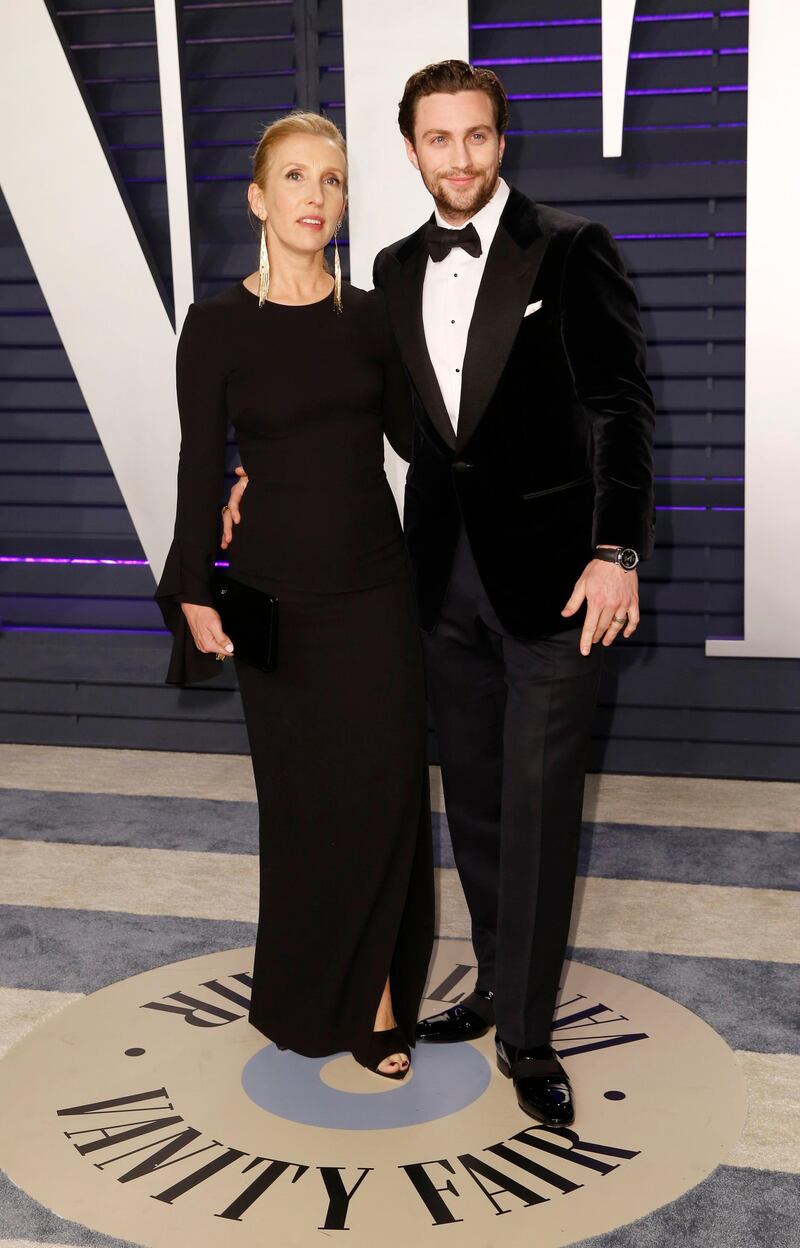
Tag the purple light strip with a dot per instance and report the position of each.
(128, 79)
(91, 563)
(140, 8)
(148, 8)
(239, 39)
(197, 112)
(51, 559)
(238, 108)
(91, 47)
(238, 4)
(561, 21)
(587, 58)
(701, 16)
(721, 234)
(667, 127)
(671, 91)
(642, 237)
(596, 95)
(230, 75)
(112, 45)
(705, 125)
(105, 632)
(556, 95)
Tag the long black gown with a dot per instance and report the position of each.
(337, 732)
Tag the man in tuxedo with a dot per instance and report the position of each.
(528, 505)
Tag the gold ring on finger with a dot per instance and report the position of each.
(618, 620)
(220, 657)
(225, 508)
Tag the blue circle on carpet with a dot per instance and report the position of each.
(445, 1080)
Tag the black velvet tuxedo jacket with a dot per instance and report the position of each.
(554, 448)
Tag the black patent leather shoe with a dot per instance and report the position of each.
(468, 1020)
(540, 1082)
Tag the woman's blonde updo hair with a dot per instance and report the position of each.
(293, 123)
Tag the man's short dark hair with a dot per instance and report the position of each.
(448, 78)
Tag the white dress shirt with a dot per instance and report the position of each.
(449, 292)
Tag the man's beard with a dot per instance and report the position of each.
(466, 203)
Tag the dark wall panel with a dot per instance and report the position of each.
(82, 655)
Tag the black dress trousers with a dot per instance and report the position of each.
(513, 721)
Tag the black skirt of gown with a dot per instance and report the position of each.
(337, 737)
(338, 732)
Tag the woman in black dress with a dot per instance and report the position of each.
(310, 379)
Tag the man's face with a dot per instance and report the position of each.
(457, 150)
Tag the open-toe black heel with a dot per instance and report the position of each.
(383, 1044)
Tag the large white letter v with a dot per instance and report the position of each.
(91, 268)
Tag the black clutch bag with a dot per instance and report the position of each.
(250, 618)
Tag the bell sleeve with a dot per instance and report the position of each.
(201, 382)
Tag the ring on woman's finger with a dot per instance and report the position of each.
(220, 657)
(618, 620)
(224, 509)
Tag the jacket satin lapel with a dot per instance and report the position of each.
(502, 298)
(410, 333)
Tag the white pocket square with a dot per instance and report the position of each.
(533, 307)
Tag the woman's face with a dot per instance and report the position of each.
(303, 198)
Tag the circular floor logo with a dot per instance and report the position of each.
(154, 1112)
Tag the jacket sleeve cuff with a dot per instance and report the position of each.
(618, 521)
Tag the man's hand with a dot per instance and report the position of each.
(206, 628)
(230, 512)
(612, 602)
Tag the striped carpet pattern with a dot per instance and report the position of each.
(113, 862)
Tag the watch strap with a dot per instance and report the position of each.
(625, 557)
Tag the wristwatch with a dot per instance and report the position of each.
(623, 556)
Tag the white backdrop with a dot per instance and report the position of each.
(387, 197)
(772, 418)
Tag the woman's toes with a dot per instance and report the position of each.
(398, 1061)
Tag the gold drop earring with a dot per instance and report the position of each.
(263, 267)
(337, 272)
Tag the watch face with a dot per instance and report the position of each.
(628, 559)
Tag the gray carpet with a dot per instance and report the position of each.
(751, 1004)
(611, 850)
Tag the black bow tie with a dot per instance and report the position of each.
(440, 241)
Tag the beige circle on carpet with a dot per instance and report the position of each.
(134, 1111)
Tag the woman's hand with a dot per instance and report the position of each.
(206, 628)
(230, 512)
